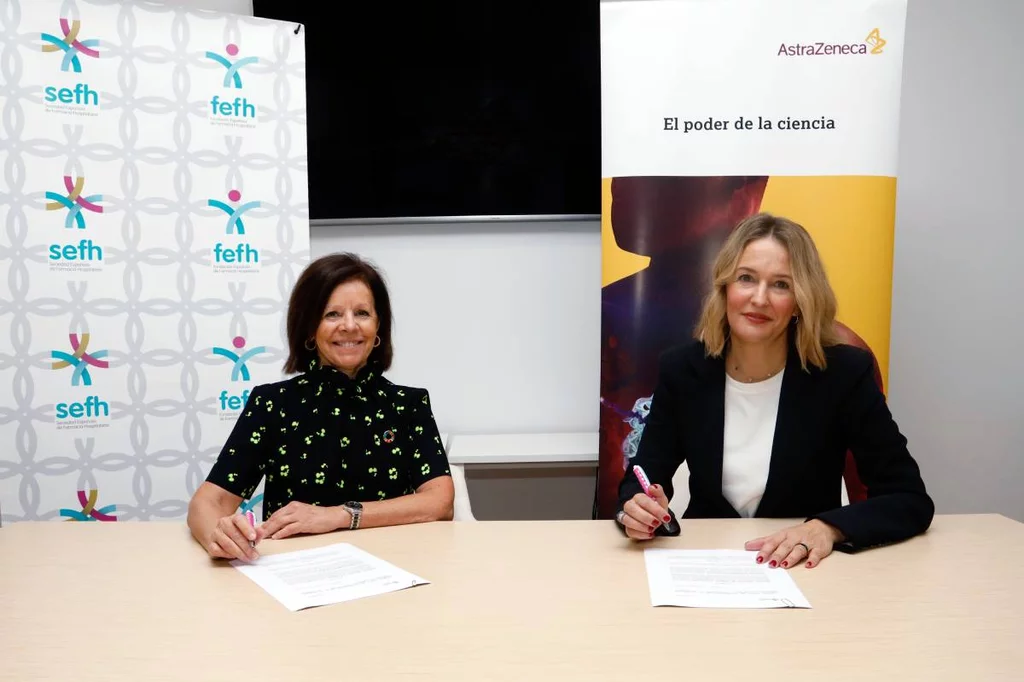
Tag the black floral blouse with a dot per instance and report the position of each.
(323, 438)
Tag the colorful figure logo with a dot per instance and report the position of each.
(70, 45)
(79, 359)
(234, 213)
(231, 76)
(89, 511)
(74, 202)
(239, 359)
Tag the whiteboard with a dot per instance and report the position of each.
(500, 321)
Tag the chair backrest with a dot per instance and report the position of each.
(855, 488)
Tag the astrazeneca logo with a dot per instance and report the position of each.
(80, 359)
(70, 45)
(239, 359)
(89, 510)
(74, 202)
(232, 77)
(875, 41)
(234, 211)
(872, 44)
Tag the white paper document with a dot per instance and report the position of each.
(325, 575)
(718, 578)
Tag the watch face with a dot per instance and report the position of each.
(354, 505)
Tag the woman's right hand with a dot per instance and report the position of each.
(230, 539)
(642, 514)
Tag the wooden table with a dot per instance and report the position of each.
(559, 600)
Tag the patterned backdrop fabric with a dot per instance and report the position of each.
(153, 219)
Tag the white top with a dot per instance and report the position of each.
(750, 412)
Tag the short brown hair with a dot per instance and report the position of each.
(815, 300)
(309, 298)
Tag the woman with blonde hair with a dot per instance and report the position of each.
(763, 406)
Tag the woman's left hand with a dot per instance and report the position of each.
(299, 517)
(809, 542)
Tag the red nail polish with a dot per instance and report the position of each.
(773, 563)
(810, 565)
(667, 518)
(785, 564)
(760, 559)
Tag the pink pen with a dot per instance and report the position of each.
(645, 482)
(671, 526)
(252, 522)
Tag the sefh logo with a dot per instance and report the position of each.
(89, 512)
(79, 412)
(77, 99)
(70, 45)
(80, 359)
(74, 202)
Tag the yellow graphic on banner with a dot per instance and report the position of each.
(851, 219)
(876, 41)
(616, 263)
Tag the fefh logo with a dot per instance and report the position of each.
(230, 401)
(239, 368)
(872, 44)
(240, 256)
(74, 202)
(232, 77)
(232, 109)
(234, 211)
(70, 45)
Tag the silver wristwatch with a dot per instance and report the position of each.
(355, 510)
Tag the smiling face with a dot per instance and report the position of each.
(348, 327)
(760, 299)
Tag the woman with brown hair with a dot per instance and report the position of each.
(341, 447)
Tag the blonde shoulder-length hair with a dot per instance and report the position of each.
(815, 300)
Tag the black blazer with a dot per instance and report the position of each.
(822, 414)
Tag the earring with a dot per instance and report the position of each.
(309, 347)
(376, 341)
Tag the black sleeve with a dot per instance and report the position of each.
(428, 456)
(240, 465)
(897, 506)
(659, 452)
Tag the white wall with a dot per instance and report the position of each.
(957, 353)
(499, 321)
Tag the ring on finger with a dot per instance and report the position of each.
(807, 549)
